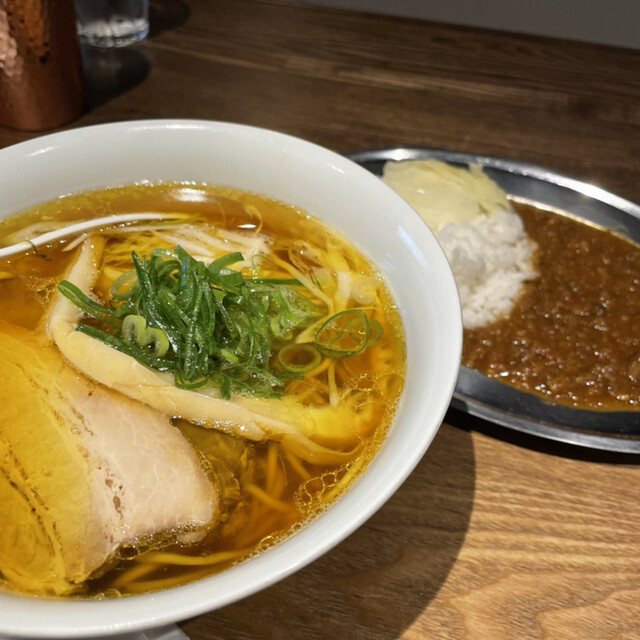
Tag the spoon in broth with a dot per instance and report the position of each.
(81, 228)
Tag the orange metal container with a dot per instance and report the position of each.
(40, 65)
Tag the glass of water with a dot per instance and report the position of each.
(112, 23)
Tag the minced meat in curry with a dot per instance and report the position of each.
(573, 336)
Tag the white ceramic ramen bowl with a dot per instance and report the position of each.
(326, 185)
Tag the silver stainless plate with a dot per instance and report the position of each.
(489, 399)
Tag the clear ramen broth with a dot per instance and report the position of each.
(265, 490)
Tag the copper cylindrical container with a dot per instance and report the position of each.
(40, 67)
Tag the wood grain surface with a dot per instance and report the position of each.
(494, 536)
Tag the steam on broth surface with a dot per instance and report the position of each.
(275, 446)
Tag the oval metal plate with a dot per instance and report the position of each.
(492, 400)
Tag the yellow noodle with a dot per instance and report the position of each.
(306, 282)
(297, 465)
(111, 273)
(321, 368)
(135, 572)
(264, 526)
(301, 389)
(279, 481)
(165, 557)
(144, 586)
(343, 483)
(263, 496)
(272, 467)
(308, 334)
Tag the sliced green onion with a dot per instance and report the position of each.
(136, 332)
(126, 281)
(133, 328)
(344, 334)
(299, 358)
(156, 341)
(89, 306)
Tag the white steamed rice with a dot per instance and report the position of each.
(491, 258)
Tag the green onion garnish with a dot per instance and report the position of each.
(209, 325)
(299, 358)
(206, 323)
(136, 332)
(344, 334)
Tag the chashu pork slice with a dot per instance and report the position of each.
(84, 470)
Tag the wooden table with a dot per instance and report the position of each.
(493, 536)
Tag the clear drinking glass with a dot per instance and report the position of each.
(112, 23)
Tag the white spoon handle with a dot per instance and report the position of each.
(80, 227)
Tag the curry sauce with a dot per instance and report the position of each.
(573, 335)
